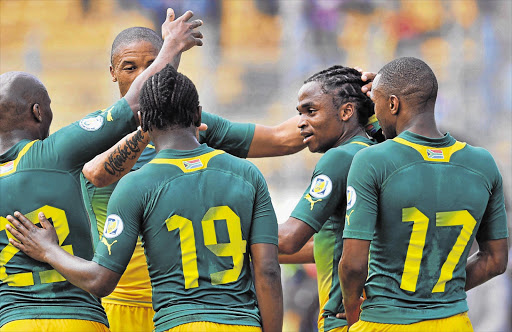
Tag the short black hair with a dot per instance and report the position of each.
(344, 84)
(410, 78)
(167, 99)
(135, 34)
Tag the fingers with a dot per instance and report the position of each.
(14, 232)
(367, 88)
(341, 315)
(367, 76)
(43, 221)
(203, 127)
(196, 24)
(21, 222)
(185, 17)
(16, 244)
(170, 15)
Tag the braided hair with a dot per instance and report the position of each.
(167, 99)
(344, 84)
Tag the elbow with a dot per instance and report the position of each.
(500, 266)
(287, 245)
(100, 289)
(347, 269)
(94, 176)
(270, 272)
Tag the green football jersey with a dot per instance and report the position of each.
(44, 176)
(198, 213)
(232, 137)
(323, 208)
(421, 202)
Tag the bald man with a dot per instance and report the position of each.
(40, 173)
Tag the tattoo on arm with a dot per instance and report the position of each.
(116, 160)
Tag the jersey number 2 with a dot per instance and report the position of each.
(60, 222)
(236, 248)
(417, 243)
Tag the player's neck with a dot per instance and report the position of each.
(349, 134)
(423, 124)
(11, 138)
(175, 138)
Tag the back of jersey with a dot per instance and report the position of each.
(198, 212)
(434, 197)
(28, 288)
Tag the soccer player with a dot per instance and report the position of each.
(204, 216)
(415, 204)
(334, 112)
(129, 307)
(40, 173)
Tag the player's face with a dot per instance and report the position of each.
(320, 123)
(130, 61)
(382, 110)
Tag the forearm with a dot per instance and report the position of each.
(352, 271)
(279, 140)
(117, 161)
(293, 235)
(270, 297)
(303, 256)
(82, 273)
(488, 262)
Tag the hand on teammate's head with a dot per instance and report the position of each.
(182, 31)
(366, 76)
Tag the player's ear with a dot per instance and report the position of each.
(346, 111)
(113, 74)
(36, 112)
(197, 117)
(394, 104)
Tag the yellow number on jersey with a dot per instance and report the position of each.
(236, 248)
(417, 243)
(60, 222)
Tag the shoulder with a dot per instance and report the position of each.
(478, 159)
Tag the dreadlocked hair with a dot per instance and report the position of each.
(167, 99)
(344, 84)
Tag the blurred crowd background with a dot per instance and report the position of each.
(256, 55)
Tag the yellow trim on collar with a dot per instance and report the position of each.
(10, 166)
(430, 153)
(360, 143)
(189, 164)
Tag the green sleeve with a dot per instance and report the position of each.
(233, 137)
(124, 215)
(264, 221)
(362, 197)
(83, 140)
(494, 221)
(326, 190)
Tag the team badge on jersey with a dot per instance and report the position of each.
(435, 154)
(92, 124)
(192, 164)
(113, 226)
(351, 197)
(321, 186)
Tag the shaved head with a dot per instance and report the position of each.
(409, 78)
(24, 104)
(135, 34)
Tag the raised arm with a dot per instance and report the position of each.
(113, 164)
(278, 140)
(42, 244)
(267, 282)
(490, 260)
(179, 35)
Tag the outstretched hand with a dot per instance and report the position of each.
(181, 31)
(366, 76)
(34, 241)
